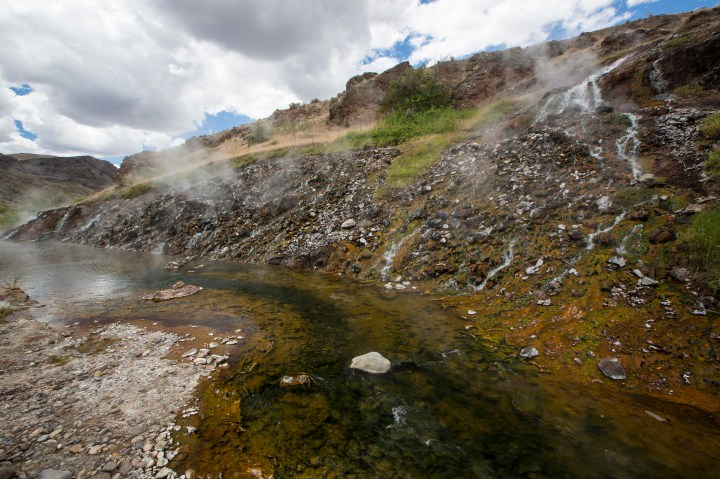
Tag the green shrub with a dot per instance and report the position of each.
(713, 164)
(136, 190)
(418, 90)
(260, 133)
(711, 126)
(702, 240)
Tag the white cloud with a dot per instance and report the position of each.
(635, 3)
(111, 78)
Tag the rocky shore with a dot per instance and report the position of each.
(96, 404)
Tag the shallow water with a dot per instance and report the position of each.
(453, 405)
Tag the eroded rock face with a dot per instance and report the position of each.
(373, 363)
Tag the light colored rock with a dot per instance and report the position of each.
(190, 352)
(618, 261)
(76, 448)
(347, 224)
(529, 352)
(55, 474)
(97, 449)
(164, 472)
(648, 282)
(372, 362)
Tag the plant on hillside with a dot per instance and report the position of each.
(702, 241)
(713, 164)
(260, 133)
(711, 126)
(418, 90)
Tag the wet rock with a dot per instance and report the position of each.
(655, 416)
(612, 368)
(347, 224)
(604, 109)
(529, 352)
(296, 381)
(190, 352)
(55, 474)
(372, 362)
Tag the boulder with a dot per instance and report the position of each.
(373, 363)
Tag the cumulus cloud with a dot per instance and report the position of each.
(113, 78)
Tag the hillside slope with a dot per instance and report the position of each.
(29, 183)
(564, 219)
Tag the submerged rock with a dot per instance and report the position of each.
(295, 381)
(373, 363)
(612, 368)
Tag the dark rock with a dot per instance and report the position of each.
(640, 214)
(7, 472)
(662, 235)
(576, 235)
(604, 109)
(612, 368)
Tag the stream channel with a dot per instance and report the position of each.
(452, 406)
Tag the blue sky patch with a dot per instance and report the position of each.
(214, 123)
(23, 132)
(22, 90)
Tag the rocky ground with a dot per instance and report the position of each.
(97, 403)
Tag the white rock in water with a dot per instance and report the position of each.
(347, 224)
(372, 362)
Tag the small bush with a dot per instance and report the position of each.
(260, 133)
(713, 164)
(711, 126)
(136, 190)
(702, 240)
(416, 91)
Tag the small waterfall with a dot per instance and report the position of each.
(586, 95)
(90, 223)
(591, 236)
(627, 146)
(64, 219)
(391, 253)
(507, 259)
(622, 248)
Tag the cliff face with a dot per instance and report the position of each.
(561, 221)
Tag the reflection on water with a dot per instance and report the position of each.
(452, 406)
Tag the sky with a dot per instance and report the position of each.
(110, 79)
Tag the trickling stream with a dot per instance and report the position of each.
(452, 406)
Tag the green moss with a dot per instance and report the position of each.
(689, 90)
(711, 126)
(679, 41)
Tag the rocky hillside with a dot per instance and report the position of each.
(33, 182)
(565, 220)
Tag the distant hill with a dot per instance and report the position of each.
(29, 182)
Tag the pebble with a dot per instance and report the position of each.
(529, 352)
(612, 368)
(164, 472)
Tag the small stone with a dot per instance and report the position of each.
(109, 466)
(55, 474)
(471, 312)
(213, 345)
(347, 224)
(655, 416)
(162, 473)
(618, 261)
(372, 362)
(76, 448)
(125, 467)
(544, 302)
(529, 352)
(190, 352)
(95, 450)
(612, 368)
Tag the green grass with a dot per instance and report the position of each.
(702, 240)
(679, 41)
(423, 136)
(711, 126)
(713, 164)
(398, 128)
